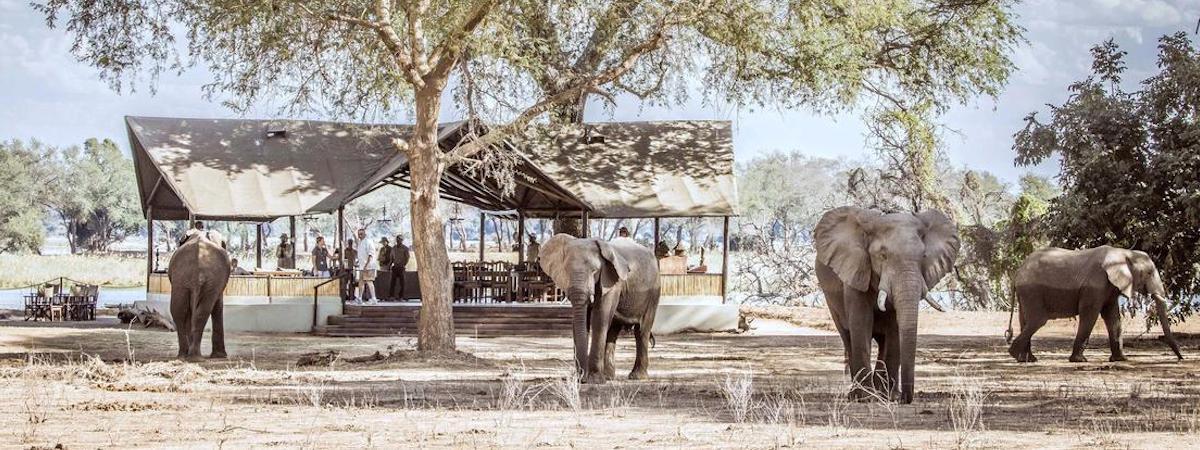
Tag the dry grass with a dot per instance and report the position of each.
(706, 391)
(113, 271)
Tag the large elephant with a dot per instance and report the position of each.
(874, 270)
(1055, 283)
(612, 285)
(198, 272)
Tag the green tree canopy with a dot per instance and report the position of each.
(25, 170)
(94, 195)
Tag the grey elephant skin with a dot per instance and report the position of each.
(198, 272)
(1054, 283)
(874, 270)
(612, 286)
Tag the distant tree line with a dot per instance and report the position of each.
(88, 191)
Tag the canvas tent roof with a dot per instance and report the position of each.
(254, 170)
(640, 169)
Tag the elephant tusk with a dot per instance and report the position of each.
(934, 304)
(882, 299)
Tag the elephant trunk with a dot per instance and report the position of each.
(907, 299)
(579, 329)
(1160, 304)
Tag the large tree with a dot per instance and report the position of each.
(94, 195)
(375, 57)
(1128, 161)
(25, 170)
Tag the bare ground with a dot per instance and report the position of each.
(777, 386)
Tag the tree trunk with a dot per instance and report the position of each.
(435, 324)
(568, 113)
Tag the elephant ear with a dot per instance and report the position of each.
(615, 262)
(841, 241)
(1120, 274)
(941, 246)
(552, 257)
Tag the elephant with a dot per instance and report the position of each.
(874, 270)
(198, 272)
(612, 286)
(1055, 283)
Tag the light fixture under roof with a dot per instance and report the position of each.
(276, 132)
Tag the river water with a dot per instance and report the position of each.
(14, 298)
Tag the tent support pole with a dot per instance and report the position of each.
(481, 243)
(149, 244)
(341, 235)
(587, 227)
(657, 227)
(258, 245)
(292, 228)
(520, 237)
(725, 260)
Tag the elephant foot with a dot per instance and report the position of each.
(1076, 358)
(1117, 357)
(639, 375)
(593, 378)
(218, 355)
(1022, 357)
(860, 395)
(193, 358)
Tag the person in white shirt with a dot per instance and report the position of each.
(367, 267)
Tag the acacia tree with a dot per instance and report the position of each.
(343, 58)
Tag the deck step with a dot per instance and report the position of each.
(469, 320)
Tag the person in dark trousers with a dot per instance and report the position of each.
(349, 261)
(399, 263)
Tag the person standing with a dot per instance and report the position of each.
(320, 258)
(349, 264)
(399, 260)
(286, 253)
(532, 250)
(368, 264)
(385, 253)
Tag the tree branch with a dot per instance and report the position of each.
(447, 52)
(494, 136)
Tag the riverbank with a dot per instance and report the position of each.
(105, 270)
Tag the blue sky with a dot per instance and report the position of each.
(46, 95)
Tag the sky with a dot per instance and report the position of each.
(47, 95)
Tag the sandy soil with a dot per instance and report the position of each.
(779, 385)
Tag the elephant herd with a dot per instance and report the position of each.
(873, 268)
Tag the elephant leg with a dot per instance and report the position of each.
(218, 328)
(1112, 323)
(889, 359)
(1033, 317)
(181, 314)
(601, 319)
(879, 375)
(610, 348)
(641, 363)
(1087, 321)
(201, 311)
(861, 322)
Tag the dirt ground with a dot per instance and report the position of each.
(779, 385)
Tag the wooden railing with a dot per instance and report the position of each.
(690, 284)
(259, 286)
